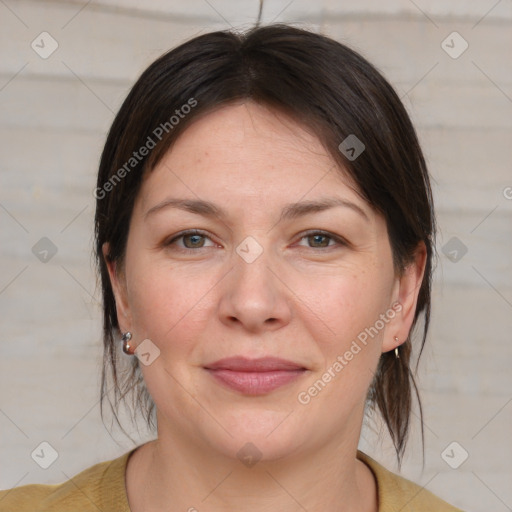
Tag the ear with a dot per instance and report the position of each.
(405, 296)
(118, 283)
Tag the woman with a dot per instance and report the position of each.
(265, 237)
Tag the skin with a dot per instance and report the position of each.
(305, 299)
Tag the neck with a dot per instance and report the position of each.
(187, 477)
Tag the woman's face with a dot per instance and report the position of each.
(258, 280)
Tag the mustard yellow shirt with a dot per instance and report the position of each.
(102, 488)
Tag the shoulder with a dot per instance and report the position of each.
(398, 493)
(99, 487)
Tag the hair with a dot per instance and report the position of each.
(326, 87)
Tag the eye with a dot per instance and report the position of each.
(322, 239)
(193, 239)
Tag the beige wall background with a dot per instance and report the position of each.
(55, 110)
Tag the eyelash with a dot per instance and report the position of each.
(325, 234)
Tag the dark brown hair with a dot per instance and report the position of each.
(325, 86)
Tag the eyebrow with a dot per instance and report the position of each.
(290, 211)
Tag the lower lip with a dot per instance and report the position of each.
(255, 383)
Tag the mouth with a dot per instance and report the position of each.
(255, 376)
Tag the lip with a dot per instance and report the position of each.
(262, 364)
(255, 376)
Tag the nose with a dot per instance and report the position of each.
(254, 296)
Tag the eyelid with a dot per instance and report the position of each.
(336, 238)
(187, 232)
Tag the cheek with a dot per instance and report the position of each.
(168, 303)
(345, 310)
(343, 303)
(345, 321)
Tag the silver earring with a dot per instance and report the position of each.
(127, 349)
(397, 355)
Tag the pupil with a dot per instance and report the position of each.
(318, 239)
(197, 239)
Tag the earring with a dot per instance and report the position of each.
(397, 355)
(127, 349)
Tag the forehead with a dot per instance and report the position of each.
(247, 151)
(243, 120)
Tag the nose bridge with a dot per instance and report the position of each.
(253, 278)
(254, 296)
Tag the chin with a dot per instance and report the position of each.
(258, 434)
(250, 449)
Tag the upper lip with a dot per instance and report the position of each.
(262, 364)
